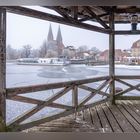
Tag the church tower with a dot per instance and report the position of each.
(59, 41)
(50, 34)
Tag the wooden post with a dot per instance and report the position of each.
(75, 99)
(112, 57)
(2, 69)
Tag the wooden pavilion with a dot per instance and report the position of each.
(102, 115)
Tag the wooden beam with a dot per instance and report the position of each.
(106, 8)
(112, 57)
(75, 96)
(40, 106)
(127, 98)
(75, 12)
(2, 69)
(137, 32)
(86, 18)
(87, 8)
(127, 84)
(59, 11)
(92, 94)
(128, 90)
(45, 16)
(93, 90)
(36, 101)
(129, 77)
(35, 88)
(132, 10)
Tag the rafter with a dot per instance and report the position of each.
(75, 12)
(58, 10)
(131, 10)
(96, 17)
(54, 18)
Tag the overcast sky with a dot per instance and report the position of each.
(22, 30)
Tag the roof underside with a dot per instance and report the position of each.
(79, 16)
(84, 13)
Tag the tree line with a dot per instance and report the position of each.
(27, 51)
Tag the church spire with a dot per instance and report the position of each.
(59, 36)
(50, 34)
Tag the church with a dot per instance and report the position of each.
(55, 45)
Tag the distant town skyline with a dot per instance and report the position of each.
(22, 30)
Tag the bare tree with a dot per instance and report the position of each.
(26, 51)
(51, 53)
(11, 53)
(43, 49)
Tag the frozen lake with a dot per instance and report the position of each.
(23, 75)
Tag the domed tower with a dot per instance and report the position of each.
(59, 41)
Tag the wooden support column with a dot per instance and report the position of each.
(75, 99)
(112, 58)
(2, 69)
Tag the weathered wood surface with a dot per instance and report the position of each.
(71, 86)
(112, 57)
(35, 88)
(123, 117)
(45, 16)
(2, 68)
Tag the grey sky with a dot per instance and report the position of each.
(22, 30)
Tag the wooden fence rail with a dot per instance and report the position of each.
(20, 122)
(122, 79)
(70, 86)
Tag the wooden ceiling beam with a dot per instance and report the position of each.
(91, 18)
(127, 32)
(45, 16)
(75, 12)
(58, 10)
(96, 17)
(127, 10)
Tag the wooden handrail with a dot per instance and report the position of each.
(34, 88)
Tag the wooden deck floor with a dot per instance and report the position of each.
(124, 117)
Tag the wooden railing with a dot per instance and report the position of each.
(132, 84)
(87, 85)
(70, 86)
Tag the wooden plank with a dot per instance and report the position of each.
(114, 124)
(129, 77)
(127, 98)
(75, 96)
(98, 19)
(91, 95)
(95, 119)
(122, 121)
(127, 84)
(128, 90)
(112, 57)
(36, 101)
(132, 112)
(45, 16)
(59, 11)
(105, 124)
(34, 88)
(131, 120)
(2, 69)
(96, 103)
(136, 107)
(128, 32)
(87, 116)
(85, 87)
